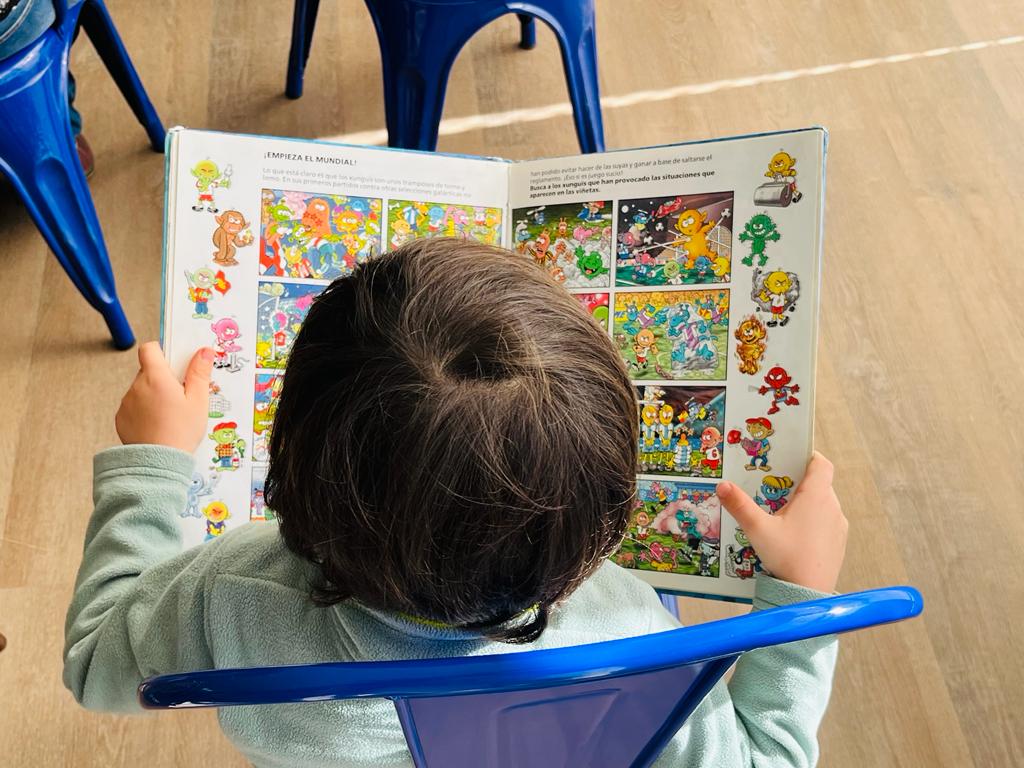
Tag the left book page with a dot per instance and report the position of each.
(254, 229)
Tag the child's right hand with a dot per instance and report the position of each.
(804, 542)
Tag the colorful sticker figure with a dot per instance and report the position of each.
(229, 448)
(419, 219)
(267, 392)
(258, 509)
(317, 236)
(681, 431)
(226, 334)
(216, 514)
(201, 285)
(759, 231)
(774, 493)
(775, 292)
(218, 404)
(741, 562)
(752, 337)
(674, 528)
(572, 242)
(778, 382)
(757, 445)
(674, 240)
(280, 310)
(198, 488)
(596, 305)
(208, 178)
(781, 190)
(673, 335)
(232, 232)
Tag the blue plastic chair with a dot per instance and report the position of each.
(613, 704)
(38, 155)
(419, 40)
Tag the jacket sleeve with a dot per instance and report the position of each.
(767, 715)
(139, 604)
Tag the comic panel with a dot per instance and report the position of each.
(682, 431)
(409, 219)
(679, 240)
(264, 408)
(597, 305)
(674, 528)
(317, 236)
(258, 509)
(673, 335)
(280, 309)
(571, 241)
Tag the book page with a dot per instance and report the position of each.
(702, 263)
(255, 229)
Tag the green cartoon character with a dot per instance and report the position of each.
(758, 231)
(590, 264)
(230, 448)
(208, 178)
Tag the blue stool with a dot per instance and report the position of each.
(419, 40)
(37, 150)
(605, 705)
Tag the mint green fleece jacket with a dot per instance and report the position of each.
(143, 607)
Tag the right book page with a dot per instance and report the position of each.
(702, 262)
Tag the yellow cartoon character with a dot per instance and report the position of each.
(216, 513)
(775, 292)
(648, 415)
(782, 167)
(751, 335)
(643, 345)
(665, 416)
(693, 227)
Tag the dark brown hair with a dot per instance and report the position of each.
(455, 439)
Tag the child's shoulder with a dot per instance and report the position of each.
(257, 551)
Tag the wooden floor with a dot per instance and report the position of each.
(922, 345)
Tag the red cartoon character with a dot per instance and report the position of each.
(711, 445)
(777, 381)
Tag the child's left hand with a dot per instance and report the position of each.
(158, 410)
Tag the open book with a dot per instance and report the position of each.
(700, 260)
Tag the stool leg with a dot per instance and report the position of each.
(37, 153)
(671, 603)
(527, 32)
(303, 22)
(101, 30)
(576, 38)
(418, 46)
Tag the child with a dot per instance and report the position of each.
(451, 464)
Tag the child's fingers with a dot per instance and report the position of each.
(818, 475)
(747, 514)
(151, 357)
(197, 376)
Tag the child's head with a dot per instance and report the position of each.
(455, 439)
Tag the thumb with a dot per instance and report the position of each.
(197, 376)
(747, 514)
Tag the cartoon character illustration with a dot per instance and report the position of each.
(648, 428)
(427, 219)
(643, 345)
(575, 250)
(743, 562)
(686, 333)
(666, 415)
(782, 168)
(218, 404)
(775, 292)
(199, 488)
(758, 232)
(643, 520)
(227, 333)
(590, 211)
(693, 227)
(231, 232)
(752, 337)
(281, 307)
(711, 445)
(591, 264)
(208, 178)
(201, 285)
(708, 555)
(229, 449)
(757, 445)
(216, 514)
(774, 493)
(777, 381)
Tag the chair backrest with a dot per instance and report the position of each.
(615, 703)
